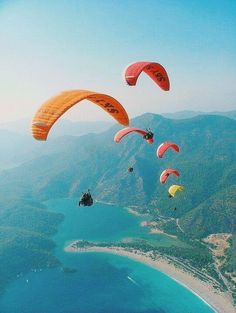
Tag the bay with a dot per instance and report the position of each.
(99, 282)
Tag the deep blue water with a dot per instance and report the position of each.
(102, 283)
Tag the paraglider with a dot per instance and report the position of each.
(147, 135)
(166, 173)
(161, 150)
(54, 108)
(173, 189)
(154, 70)
(86, 199)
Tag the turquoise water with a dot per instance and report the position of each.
(102, 283)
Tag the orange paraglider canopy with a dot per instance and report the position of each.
(154, 70)
(51, 110)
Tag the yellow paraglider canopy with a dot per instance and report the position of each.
(174, 188)
(51, 110)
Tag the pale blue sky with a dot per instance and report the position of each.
(49, 46)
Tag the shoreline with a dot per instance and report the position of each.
(217, 300)
(132, 211)
(151, 225)
(155, 230)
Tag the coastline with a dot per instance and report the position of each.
(217, 300)
(134, 212)
(155, 230)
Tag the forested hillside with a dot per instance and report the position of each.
(25, 227)
(65, 166)
(206, 163)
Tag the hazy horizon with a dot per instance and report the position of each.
(111, 121)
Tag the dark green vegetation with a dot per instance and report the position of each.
(220, 217)
(63, 167)
(229, 267)
(206, 162)
(25, 227)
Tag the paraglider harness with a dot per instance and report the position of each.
(86, 199)
(148, 135)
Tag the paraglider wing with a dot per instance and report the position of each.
(51, 110)
(174, 188)
(165, 146)
(166, 173)
(125, 131)
(154, 70)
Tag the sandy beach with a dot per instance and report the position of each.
(218, 300)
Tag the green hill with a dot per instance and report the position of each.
(214, 215)
(25, 227)
(63, 167)
(206, 163)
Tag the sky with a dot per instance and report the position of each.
(50, 46)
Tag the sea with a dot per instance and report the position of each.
(99, 282)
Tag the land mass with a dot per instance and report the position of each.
(201, 284)
(68, 165)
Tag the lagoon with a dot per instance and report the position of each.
(100, 282)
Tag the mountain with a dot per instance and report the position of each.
(25, 243)
(14, 148)
(206, 163)
(190, 114)
(65, 166)
(20, 126)
(18, 146)
(220, 217)
(61, 128)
